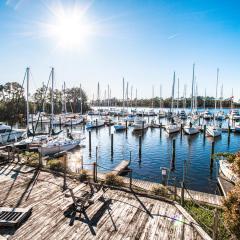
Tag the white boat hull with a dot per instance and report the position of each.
(213, 132)
(225, 168)
(138, 127)
(191, 130)
(50, 150)
(172, 129)
(8, 137)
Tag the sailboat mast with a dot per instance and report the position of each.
(123, 94)
(98, 95)
(52, 107)
(131, 97)
(27, 71)
(196, 94)
(136, 98)
(108, 96)
(178, 95)
(127, 95)
(64, 93)
(81, 99)
(221, 100)
(193, 77)
(152, 95)
(173, 87)
(204, 102)
(216, 89)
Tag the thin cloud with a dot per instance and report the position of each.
(173, 36)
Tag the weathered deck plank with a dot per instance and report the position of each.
(121, 216)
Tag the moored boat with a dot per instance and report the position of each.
(227, 171)
(213, 131)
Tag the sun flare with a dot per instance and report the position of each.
(69, 28)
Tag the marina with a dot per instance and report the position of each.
(151, 150)
(119, 120)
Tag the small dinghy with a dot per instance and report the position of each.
(227, 171)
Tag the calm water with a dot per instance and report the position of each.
(157, 153)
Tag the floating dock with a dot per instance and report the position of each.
(121, 167)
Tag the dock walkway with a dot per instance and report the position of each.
(119, 215)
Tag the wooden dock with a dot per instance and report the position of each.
(118, 215)
(201, 197)
(121, 167)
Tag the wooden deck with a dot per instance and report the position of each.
(201, 197)
(118, 215)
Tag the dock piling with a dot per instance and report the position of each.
(112, 145)
(212, 153)
(160, 130)
(90, 141)
(140, 146)
(204, 132)
(173, 153)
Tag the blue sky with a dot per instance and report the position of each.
(143, 41)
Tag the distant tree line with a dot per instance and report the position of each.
(166, 103)
(13, 101)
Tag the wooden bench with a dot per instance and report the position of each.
(13, 217)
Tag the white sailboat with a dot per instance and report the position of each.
(162, 113)
(172, 127)
(191, 128)
(220, 116)
(58, 145)
(213, 131)
(8, 134)
(139, 124)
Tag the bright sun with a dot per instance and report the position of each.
(70, 28)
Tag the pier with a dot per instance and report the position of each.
(121, 167)
(117, 215)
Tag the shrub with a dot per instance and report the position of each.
(229, 156)
(159, 190)
(236, 164)
(55, 165)
(83, 175)
(232, 210)
(112, 179)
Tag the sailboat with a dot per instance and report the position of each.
(161, 114)
(58, 145)
(213, 131)
(220, 116)
(172, 127)
(121, 125)
(139, 124)
(190, 128)
(8, 134)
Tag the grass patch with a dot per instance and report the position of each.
(205, 217)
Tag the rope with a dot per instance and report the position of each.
(195, 202)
